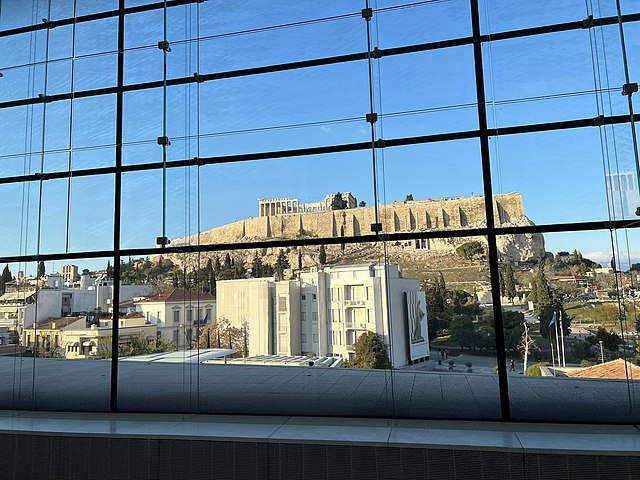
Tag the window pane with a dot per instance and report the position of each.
(57, 315)
(569, 302)
(429, 198)
(428, 92)
(406, 23)
(537, 166)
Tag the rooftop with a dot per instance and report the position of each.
(616, 369)
(177, 296)
(59, 323)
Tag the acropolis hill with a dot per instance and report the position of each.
(286, 218)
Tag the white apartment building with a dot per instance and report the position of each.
(52, 298)
(324, 311)
(176, 314)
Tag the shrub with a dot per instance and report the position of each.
(534, 370)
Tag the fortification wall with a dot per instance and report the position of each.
(409, 216)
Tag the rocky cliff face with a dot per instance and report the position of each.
(413, 216)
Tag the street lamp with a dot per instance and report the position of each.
(601, 352)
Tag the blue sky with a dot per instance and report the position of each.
(560, 174)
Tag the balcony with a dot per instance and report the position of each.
(354, 303)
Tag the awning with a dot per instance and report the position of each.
(74, 344)
(88, 343)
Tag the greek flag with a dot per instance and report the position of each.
(204, 320)
(553, 320)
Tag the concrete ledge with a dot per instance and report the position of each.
(611, 440)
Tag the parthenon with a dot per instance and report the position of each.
(282, 206)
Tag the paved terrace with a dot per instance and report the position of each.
(80, 385)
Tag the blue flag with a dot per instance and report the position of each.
(553, 320)
(205, 320)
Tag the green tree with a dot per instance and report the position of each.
(338, 203)
(362, 204)
(41, 270)
(469, 250)
(547, 329)
(409, 198)
(509, 283)
(371, 352)
(541, 294)
(635, 267)
(610, 340)
(512, 323)
(463, 332)
(6, 275)
(256, 267)
(109, 270)
(282, 263)
(322, 255)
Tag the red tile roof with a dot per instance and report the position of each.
(178, 296)
(614, 370)
(133, 315)
(61, 322)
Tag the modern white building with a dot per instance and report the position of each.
(176, 313)
(624, 197)
(324, 311)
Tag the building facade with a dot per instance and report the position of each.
(82, 336)
(177, 314)
(323, 311)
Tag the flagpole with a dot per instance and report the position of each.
(553, 358)
(564, 358)
(555, 327)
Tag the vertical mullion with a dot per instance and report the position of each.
(113, 401)
(501, 356)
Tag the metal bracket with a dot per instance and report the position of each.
(629, 88)
(367, 13)
(376, 53)
(371, 117)
(588, 22)
(598, 121)
(47, 23)
(638, 211)
(380, 143)
(162, 241)
(376, 227)
(43, 97)
(164, 141)
(198, 161)
(198, 77)
(164, 45)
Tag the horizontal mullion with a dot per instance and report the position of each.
(318, 61)
(345, 147)
(301, 242)
(568, 227)
(558, 27)
(93, 16)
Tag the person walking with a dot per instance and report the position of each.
(512, 368)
